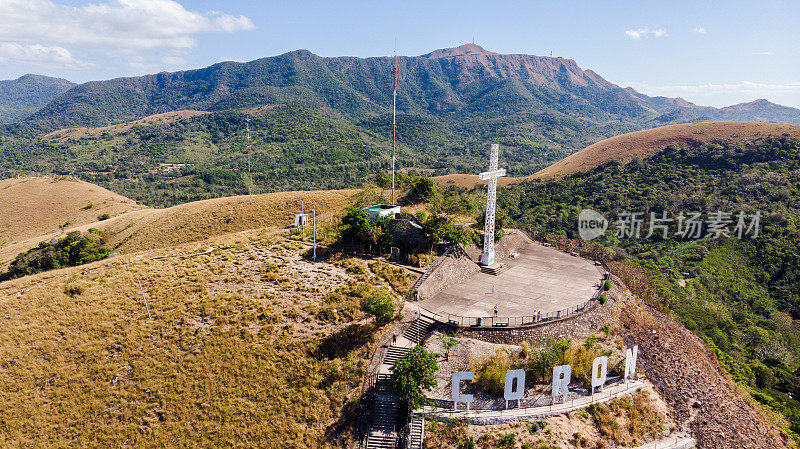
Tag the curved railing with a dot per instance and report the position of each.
(502, 322)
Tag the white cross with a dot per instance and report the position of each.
(487, 258)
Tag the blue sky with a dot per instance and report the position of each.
(712, 53)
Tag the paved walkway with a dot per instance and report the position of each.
(517, 414)
(539, 279)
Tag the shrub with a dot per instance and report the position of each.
(507, 439)
(379, 303)
(591, 341)
(357, 226)
(103, 217)
(541, 363)
(602, 298)
(580, 358)
(491, 373)
(607, 285)
(74, 249)
(74, 290)
(536, 426)
(578, 441)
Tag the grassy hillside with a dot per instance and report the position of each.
(639, 145)
(148, 229)
(237, 349)
(643, 144)
(44, 205)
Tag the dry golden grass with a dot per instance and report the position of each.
(79, 132)
(234, 354)
(625, 422)
(639, 144)
(34, 206)
(158, 228)
(629, 420)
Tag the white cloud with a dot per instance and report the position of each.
(173, 60)
(742, 86)
(764, 53)
(700, 30)
(131, 24)
(39, 55)
(646, 32)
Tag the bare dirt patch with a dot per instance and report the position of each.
(63, 135)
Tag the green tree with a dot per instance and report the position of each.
(379, 303)
(413, 373)
(438, 228)
(383, 180)
(357, 226)
(423, 190)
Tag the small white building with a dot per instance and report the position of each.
(300, 220)
(382, 210)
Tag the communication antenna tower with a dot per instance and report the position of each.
(394, 116)
(249, 174)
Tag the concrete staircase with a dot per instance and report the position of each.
(383, 431)
(411, 292)
(495, 270)
(382, 434)
(420, 328)
(416, 433)
(394, 353)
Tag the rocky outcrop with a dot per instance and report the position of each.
(688, 376)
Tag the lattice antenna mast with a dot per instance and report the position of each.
(249, 175)
(394, 117)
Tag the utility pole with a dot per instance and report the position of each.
(141, 290)
(394, 117)
(314, 206)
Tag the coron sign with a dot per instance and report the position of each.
(562, 375)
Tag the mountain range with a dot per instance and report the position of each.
(318, 110)
(25, 95)
(456, 81)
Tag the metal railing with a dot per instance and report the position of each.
(543, 399)
(500, 322)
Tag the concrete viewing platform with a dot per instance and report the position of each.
(538, 279)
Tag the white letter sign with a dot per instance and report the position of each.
(561, 378)
(514, 374)
(458, 376)
(630, 362)
(599, 372)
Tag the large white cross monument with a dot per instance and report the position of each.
(487, 258)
